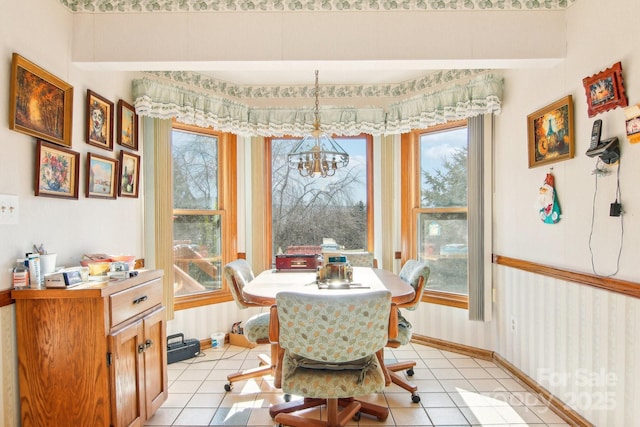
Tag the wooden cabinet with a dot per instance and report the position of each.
(92, 355)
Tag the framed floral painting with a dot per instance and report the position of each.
(102, 177)
(57, 171)
(129, 174)
(99, 121)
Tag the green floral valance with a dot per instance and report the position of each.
(165, 99)
(110, 6)
(478, 96)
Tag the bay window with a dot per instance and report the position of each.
(443, 210)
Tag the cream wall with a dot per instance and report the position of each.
(580, 343)
(588, 339)
(41, 32)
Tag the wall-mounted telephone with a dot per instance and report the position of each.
(596, 130)
(608, 149)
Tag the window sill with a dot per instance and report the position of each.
(199, 300)
(446, 298)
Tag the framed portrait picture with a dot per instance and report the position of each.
(57, 171)
(127, 125)
(41, 104)
(551, 134)
(102, 176)
(605, 90)
(129, 174)
(99, 121)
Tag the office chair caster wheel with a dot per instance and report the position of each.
(410, 372)
(228, 387)
(415, 398)
(357, 416)
(287, 397)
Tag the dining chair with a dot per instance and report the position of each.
(330, 353)
(415, 273)
(238, 273)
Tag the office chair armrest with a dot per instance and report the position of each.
(274, 324)
(393, 322)
(417, 296)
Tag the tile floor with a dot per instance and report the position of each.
(455, 390)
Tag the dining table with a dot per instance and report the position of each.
(263, 288)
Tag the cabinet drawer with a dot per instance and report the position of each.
(131, 302)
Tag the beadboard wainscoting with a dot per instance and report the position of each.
(201, 322)
(579, 342)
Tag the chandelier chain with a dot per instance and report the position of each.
(317, 109)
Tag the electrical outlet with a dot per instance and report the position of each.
(514, 325)
(8, 209)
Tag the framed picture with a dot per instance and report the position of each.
(605, 90)
(102, 176)
(99, 121)
(551, 135)
(41, 104)
(57, 171)
(129, 174)
(127, 125)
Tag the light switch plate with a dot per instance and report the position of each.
(8, 209)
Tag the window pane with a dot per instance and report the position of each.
(197, 253)
(195, 170)
(196, 224)
(443, 166)
(306, 210)
(442, 242)
(442, 225)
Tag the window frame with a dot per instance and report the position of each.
(227, 209)
(268, 189)
(411, 207)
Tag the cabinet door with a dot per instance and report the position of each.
(127, 376)
(155, 361)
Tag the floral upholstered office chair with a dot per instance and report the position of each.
(256, 329)
(331, 351)
(415, 273)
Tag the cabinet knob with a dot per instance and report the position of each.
(148, 343)
(141, 348)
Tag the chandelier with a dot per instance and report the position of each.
(317, 152)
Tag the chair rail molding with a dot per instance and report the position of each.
(623, 287)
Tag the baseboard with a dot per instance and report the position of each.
(478, 353)
(569, 415)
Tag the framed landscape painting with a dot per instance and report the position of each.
(127, 125)
(102, 176)
(41, 104)
(551, 135)
(605, 90)
(57, 171)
